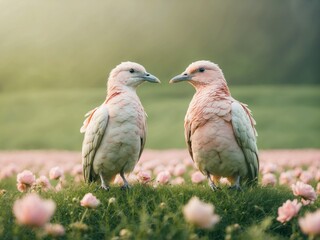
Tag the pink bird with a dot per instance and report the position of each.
(219, 130)
(115, 132)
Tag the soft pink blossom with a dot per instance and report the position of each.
(8, 171)
(163, 177)
(43, 183)
(269, 168)
(286, 178)
(77, 170)
(89, 201)
(144, 176)
(225, 181)
(54, 230)
(304, 190)
(179, 170)
(269, 179)
(200, 213)
(33, 211)
(298, 171)
(306, 176)
(55, 173)
(288, 210)
(178, 181)
(26, 177)
(197, 177)
(310, 223)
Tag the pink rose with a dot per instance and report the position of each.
(163, 177)
(288, 210)
(26, 177)
(310, 223)
(197, 177)
(306, 177)
(43, 182)
(33, 211)
(55, 173)
(89, 201)
(179, 170)
(144, 177)
(286, 178)
(225, 181)
(269, 179)
(178, 181)
(304, 190)
(200, 213)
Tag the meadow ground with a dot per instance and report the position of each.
(153, 210)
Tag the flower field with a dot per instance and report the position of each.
(43, 196)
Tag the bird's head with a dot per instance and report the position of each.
(201, 74)
(130, 74)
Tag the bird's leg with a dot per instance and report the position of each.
(236, 186)
(126, 184)
(103, 183)
(211, 183)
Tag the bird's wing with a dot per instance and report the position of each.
(243, 128)
(94, 132)
(143, 135)
(88, 117)
(187, 135)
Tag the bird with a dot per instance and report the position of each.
(115, 132)
(219, 130)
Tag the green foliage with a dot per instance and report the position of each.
(287, 116)
(53, 44)
(149, 213)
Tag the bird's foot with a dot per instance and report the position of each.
(125, 186)
(236, 188)
(104, 187)
(214, 187)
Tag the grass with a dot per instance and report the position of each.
(156, 213)
(287, 116)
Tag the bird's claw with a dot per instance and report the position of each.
(214, 187)
(106, 188)
(125, 187)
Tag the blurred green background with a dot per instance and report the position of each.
(55, 58)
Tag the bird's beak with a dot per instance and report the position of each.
(180, 78)
(150, 78)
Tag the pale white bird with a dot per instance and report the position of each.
(115, 132)
(219, 130)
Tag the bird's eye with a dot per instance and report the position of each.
(201, 69)
(131, 70)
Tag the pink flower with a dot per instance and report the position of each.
(310, 223)
(55, 173)
(144, 176)
(306, 177)
(269, 179)
(288, 210)
(77, 170)
(304, 190)
(163, 177)
(89, 201)
(178, 181)
(26, 177)
(286, 178)
(179, 170)
(197, 177)
(225, 181)
(200, 213)
(43, 182)
(54, 230)
(33, 211)
(8, 171)
(269, 168)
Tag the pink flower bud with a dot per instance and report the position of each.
(89, 201)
